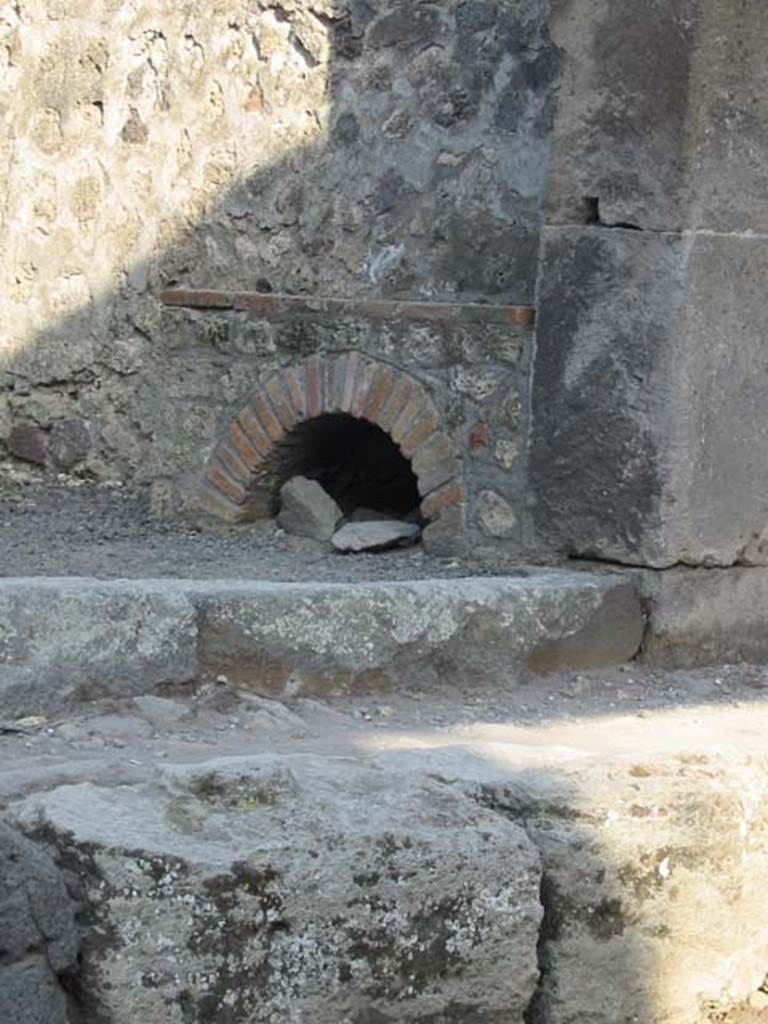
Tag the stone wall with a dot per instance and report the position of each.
(329, 148)
(649, 387)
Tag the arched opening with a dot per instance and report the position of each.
(356, 462)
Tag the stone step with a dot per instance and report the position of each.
(70, 638)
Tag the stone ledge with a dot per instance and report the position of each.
(706, 616)
(285, 306)
(123, 638)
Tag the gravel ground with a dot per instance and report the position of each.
(55, 529)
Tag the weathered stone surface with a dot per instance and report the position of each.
(272, 889)
(375, 535)
(620, 128)
(30, 993)
(654, 851)
(69, 444)
(706, 616)
(728, 180)
(497, 517)
(299, 638)
(160, 712)
(38, 936)
(187, 160)
(307, 510)
(68, 639)
(65, 640)
(603, 390)
(648, 396)
(652, 886)
(28, 442)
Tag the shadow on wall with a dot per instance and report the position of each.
(330, 147)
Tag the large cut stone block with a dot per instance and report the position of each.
(620, 129)
(654, 892)
(272, 890)
(649, 396)
(706, 616)
(68, 639)
(728, 118)
(38, 935)
(287, 639)
(653, 834)
(603, 391)
(79, 639)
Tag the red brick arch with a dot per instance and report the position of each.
(240, 475)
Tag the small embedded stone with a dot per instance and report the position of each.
(29, 443)
(307, 510)
(479, 436)
(376, 535)
(496, 515)
(70, 443)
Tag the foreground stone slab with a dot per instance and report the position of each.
(652, 834)
(66, 640)
(264, 890)
(38, 936)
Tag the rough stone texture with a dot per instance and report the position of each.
(263, 889)
(620, 129)
(375, 535)
(644, 792)
(314, 148)
(606, 386)
(648, 397)
(38, 936)
(333, 639)
(28, 443)
(648, 390)
(653, 843)
(652, 885)
(706, 616)
(497, 518)
(307, 510)
(64, 640)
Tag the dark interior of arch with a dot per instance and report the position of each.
(355, 461)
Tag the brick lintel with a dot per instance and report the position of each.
(276, 305)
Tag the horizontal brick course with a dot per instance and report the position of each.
(279, 306)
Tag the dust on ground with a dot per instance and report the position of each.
(52, 528)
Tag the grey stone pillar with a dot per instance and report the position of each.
(649, 436)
